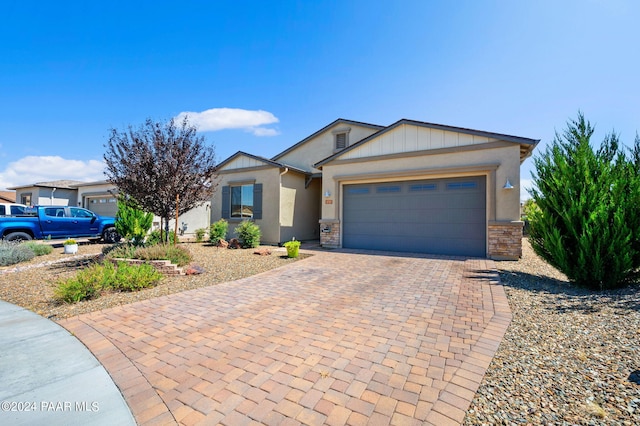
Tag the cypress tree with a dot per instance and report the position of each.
(587, 224)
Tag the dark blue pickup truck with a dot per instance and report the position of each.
(54, 222)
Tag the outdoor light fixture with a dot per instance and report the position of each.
(507, 185)
(327, 194)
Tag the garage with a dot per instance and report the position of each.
(436, 216)
(104, 205)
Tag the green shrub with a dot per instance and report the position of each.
(135, 277)
(249, 234)
(218, 231)
(87, 283)
(120, 250)
(200, 234)
(293, 248)
(176, 254)
(14, 252)
(37, 248)
(154, 238)
(132, 223)
(587, 219)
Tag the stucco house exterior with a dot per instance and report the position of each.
(101, 198)
(410, 187)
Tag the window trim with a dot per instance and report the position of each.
(242, 205)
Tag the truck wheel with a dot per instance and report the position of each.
(18, 236)
(110, 235)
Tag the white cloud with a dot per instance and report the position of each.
(264, 131)
(215, 119)
(33, 169)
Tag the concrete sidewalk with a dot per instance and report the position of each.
(47, 377)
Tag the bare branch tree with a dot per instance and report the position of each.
(157, 163)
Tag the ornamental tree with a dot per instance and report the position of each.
(165, 168)
(587, 220)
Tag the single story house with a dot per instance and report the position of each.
(101, 198)
(410, 187)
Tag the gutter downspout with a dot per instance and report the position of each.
(284, 172)
(52, 191)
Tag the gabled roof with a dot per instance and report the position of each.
(328, 126)
(526, 144)
(267, 162)
(60, 184)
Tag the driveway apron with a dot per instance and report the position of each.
(342, 337)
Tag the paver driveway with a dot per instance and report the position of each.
(342, 337)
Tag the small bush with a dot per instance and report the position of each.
(121, 250)
(14, 252)
(293, 248)
(87, 283)
(176, 254)
(154, 238)
(200, 234)
(135, 277)
(218, 231)
(249, 234)
(69, 242)
(37, 248)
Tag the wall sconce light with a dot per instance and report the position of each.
(507, 185)
(327, 194)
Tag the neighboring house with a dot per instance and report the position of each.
(7, 197)
(60, 192)
(101, 198)
(410, 187)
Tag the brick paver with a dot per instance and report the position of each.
(342, 337)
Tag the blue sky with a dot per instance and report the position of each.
(275, 72)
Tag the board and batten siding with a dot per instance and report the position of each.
(407, 138)
(242, 162)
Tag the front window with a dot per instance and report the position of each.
(242, 201)
(25, 199)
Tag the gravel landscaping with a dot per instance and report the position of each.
(30, 284)
(569, 356)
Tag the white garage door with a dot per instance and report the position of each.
(436, 216)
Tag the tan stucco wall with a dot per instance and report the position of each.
(299, 208)
(269, 177)
(322, 146)
(497, 163)
(95, 190)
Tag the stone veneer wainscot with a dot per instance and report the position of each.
(505, 240)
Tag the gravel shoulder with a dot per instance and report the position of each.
(567, 356)
(31, 284)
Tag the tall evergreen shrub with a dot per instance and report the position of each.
(132, 222)
(587, 223)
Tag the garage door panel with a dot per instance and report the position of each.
(444, 216)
